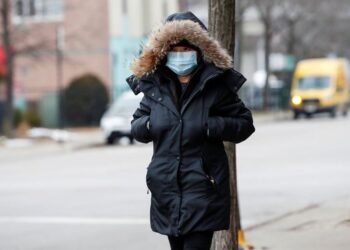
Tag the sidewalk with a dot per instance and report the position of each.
(263, 117)
(323, 226)
(79, 138)
(85, 137)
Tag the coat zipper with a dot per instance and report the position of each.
(181, 112)
(177, 177)
(199, 90)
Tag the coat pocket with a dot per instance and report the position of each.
(206, 172)
(216, 170)
(159, 176)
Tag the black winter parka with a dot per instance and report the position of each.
(188, 174)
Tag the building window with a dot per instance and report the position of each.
(19, 8)
(124, 7)
(38, 10)
(32, 7)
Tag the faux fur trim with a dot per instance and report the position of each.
(165, 35)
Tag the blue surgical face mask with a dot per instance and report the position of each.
(182, 63)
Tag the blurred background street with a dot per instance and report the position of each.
(73, 177)
(95, 197)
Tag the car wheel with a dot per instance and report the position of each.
(132, 140)
(333, 113)
(309, 115)
(345, 111)
(110, 140)
(296, 115)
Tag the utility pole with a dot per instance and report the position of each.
(59, 72)
(267, 43)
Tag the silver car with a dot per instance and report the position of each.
(115, 122)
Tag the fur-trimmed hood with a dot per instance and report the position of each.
(179, 26)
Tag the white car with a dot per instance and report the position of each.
(115, 122)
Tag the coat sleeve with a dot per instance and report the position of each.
(232, 120)
(139, 127)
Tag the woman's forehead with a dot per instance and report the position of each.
(180, 47)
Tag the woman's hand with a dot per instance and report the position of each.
(140, 123)
(232, 120)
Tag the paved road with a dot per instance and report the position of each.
(95, 198)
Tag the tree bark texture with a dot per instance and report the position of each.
(221, 26)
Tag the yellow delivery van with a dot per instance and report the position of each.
(320, 85)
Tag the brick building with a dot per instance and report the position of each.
(79, 27)
(99, 37)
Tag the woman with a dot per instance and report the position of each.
(190, 106)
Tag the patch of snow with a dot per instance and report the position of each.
(18, 143)
(58, 135)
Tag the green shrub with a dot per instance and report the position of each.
(17, 117)
(32, 117)
(84, 101)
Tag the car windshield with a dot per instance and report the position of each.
(123, 107)
(314, 82)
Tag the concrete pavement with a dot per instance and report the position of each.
(321, 226)
(94, 197)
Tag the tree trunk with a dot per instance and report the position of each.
(266, 19)
(6, 40)
(239, 36)
(267, 44)
(222, 27)
(292, 40)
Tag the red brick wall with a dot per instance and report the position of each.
(86, 48)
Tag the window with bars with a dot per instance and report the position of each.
(38, 9)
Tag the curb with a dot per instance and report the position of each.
(281, 217)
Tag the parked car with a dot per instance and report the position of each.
(115, 122)
(321, 85)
